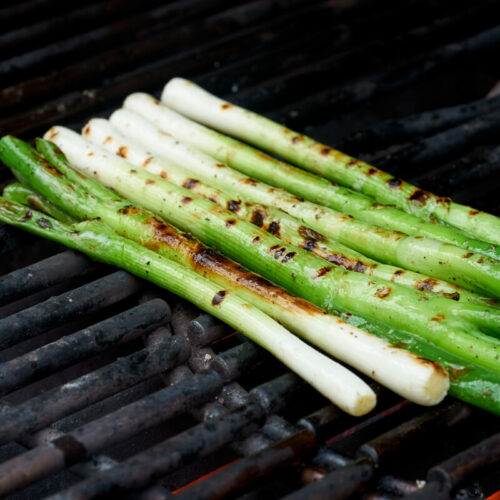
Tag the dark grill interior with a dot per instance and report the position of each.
(111, 387)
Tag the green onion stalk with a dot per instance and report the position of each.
(406, 374)
(469, 381)
(307, 185)
(423, 255)
(18, 193)
(461, 329)
(194, 102)
(333, 380)
(273, 220)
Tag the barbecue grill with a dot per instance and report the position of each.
(111, 387)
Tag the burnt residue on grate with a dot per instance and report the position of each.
(96, 386)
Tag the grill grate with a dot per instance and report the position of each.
(112, 387)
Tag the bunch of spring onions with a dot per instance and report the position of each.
(407, 296)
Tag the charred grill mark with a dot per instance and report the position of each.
(383, 292)
(220, 165)
(218, 297)
(274, 228)
(186, 200)
(473, 212)
(230, 222)
(371, 171)
(426, 362)
(468, 255)
(163, 233)
(234, 205)
(122, 151)
(394, 183)
(208, 261)
(47, 166)
(288, 256)
(419, 197)
(44, 223)
(147, 161)
(256, 240)
(53, 133)
(250, 181)
(279, 253)
(258, 217)
(451, 296)
(27, 216)
(225, 106)
(297, 138)
(352, 163)
(324, 151)
(163, 174)
(107, 140)
(149, 181)
(309, 244)
(397, 273)
(129, 210)
(322, 272)
(86, 130)
(190, 183)
(443, 201)
(272, 248)
(309, 233)
(438, 318)
(347, 263)
(426, 284)
(360, 267)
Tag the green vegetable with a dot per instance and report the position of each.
(395, 368)
(93, 238)
(287, 228)
(309, 186)
(424, 255)
(17, 193)
(468, 381)
(457, 327)
(311, 155)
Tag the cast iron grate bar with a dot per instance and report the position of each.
(43, 274)
(56, 311)
(83, 344)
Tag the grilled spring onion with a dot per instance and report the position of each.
(17, 193)
(273, 220)
(404, 373)
(334, 381)
(196, 103)
(459, 328)
(469, 382)
(423, 255)
(307, 185)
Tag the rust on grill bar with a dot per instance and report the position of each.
(112, 387)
